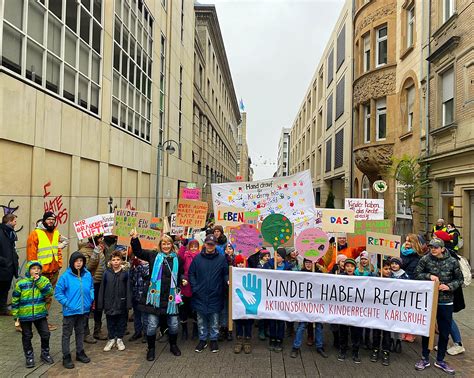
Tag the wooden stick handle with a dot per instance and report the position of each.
(231, 323)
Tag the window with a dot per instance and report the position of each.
(365, 187)
(448, 9)
(447, 79)
(329, 112)
(132, 50)
(366, 62)
(381, 46)
(410, 26)
(367, 123)
(403, 206)
(162, 87)
(339, 149)
(330, 67)
(410, 107)
(341, 47)
(33, 48)
(340, 97)
(328, 155)
(381, 119)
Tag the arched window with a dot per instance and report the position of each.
(407, 105)
(365, 187)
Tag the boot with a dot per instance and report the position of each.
(150, 354)
(98, 334)
(67, 362)
(195, 330)
(278, 345)
(385, 358)
(375, 355)
(238, 345)
(82, 357)
(271, 345)
(336, 342)
(173, 346)
(184, 330)
(30, 359)
(89, 339)
(247, 346)
(46, 357)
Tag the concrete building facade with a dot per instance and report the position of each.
(321, 135)
(88, 91)
(216, 114)
(283, 161)
(243, 165)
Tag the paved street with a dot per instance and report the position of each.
(261, 363)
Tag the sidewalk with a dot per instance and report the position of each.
(261, 363)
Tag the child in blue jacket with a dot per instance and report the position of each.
(75, 292)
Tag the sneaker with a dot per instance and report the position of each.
(456, 349)
(341, 356)
(201, 346)
(278, 346)
(356, 358)
(135, 337)
(374, 357)
(445, 367)
(435, 347)
(322, 352)
(422, 364)
(271, 345)
(82, 357)
(109, 345)
(294, 352)
(120, 344)
(385, 358)
(214, 346)
(89, 339)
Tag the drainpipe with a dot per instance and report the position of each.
(427, 103)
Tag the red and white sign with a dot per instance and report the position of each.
(89, 227)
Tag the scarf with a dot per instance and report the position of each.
(154, 291)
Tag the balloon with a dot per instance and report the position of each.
(276, 229)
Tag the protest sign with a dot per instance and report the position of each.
(277, 230)
(251, 217)
(365, 208)
(289, 195)
(246, 239)
(126, 220)
(384, 244)
(357, 238)
(175, 229)
(312, 244)
(337, 220)
(190, 193)
(108, 223)
(156, 223)
(403, 306)
(228, 216)
(89, 227)
(191, 213)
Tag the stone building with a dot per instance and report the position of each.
(449, 148)
(320, 138)
(216, 112)
(88, 90)
(243, 173)
(283, 159)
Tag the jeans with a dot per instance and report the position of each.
(319, 339)
(4, 289)
(76, 323)
(444, 317)
(277, 329)
(116, 326)
(455, 333)
(208, 326)
(356, 336)
(244, 327)
(377, 333)
(154, 322)
(27, 334)
(140, 319)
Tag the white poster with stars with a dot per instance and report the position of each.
(290, 195)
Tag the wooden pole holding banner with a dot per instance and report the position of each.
(275, 258)
(434, 311)
(381, 265)
(230, 321)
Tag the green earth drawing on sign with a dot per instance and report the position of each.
(276, 229)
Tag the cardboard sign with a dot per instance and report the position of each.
(403, 306)
(312, 244)
(89, 227)
(191, 213)
(357, 238)
(251, 217)
(385, 244)
(126, 220)
(336, 220)
(228, 216)
(190, 193)
(108, 222)
(277, 230)
(156, 223)
(246, 239)
(365, 208)
(174, 229)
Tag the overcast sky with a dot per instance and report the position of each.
(273, 48)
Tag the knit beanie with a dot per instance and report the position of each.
(396, 260)
(350, 261)
(364, 255)
(264, 251)
(340, 258)
(282, 252)
(239, 259)
(48, 214)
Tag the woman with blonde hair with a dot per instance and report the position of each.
(411, 252)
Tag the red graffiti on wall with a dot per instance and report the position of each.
(128, 205)
(55, 204)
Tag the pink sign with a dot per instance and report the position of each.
(246, 239)
(191, 193)
(312, 244)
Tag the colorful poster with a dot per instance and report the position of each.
(108, 221)
(312, 244)
(337, 220)
(357, 238)
(191, 213)
(365, 209)
(290, 195)
(174, 229)
(403, 306)
(89, 227)
(156, 223)
(277, 230)
(126, 220)
(385, 244)
(228, 216)
(246, 239)
(190, 193)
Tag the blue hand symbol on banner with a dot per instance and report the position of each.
(252, 296)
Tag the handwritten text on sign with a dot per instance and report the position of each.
(383, 243)
(190, 193)
(191, 213)
(336, 220)
(365, 209)
(86, 228)
(380, 303)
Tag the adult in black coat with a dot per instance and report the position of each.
(167, 303)
(8, 259)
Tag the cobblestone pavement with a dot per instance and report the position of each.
(261, 363)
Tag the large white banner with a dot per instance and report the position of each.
(290, 195)
(371, 302)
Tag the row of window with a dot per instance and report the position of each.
(340, 57)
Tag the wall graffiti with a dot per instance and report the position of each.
(55, 204)
(10, 209)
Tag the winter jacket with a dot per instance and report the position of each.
(75, 290)
(139, 277)
(150, 256)
(29, 296)
(270, 264)
(187, 258)
(32, 251)
(96, 263)
(446, 268)
(208, 276)
(115, 295)
(8, 255)
(295, 266)
(221, 244)
(410, 261)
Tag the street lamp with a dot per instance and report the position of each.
(169, 149)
